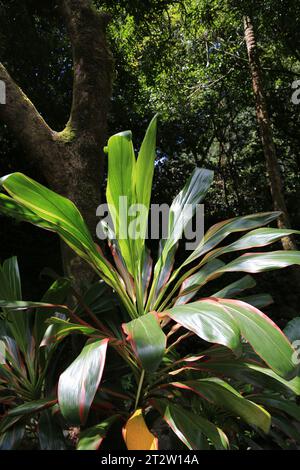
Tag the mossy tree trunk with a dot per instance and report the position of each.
(71, 160)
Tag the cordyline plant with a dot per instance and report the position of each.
(242, 352)
(26, 376)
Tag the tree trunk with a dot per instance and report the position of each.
(71, 160)
(264, 124)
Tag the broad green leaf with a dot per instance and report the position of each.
(235, 288)
(147, 340)
(251, 372)
(254, 239)
(91, 438)
(259, 262)
(146, 272)
(209, 321)
(143, 178)
(222, 394)
(120, 191)
(61, 215)
(184, 206)
(78, 385)
(218, 232)
(265, 337)
(189, 427)
(181, 213)
(12, 208)
(223, 320)
(11, 271)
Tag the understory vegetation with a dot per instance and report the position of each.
(118, 330)
(237, 386)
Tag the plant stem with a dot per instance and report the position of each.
(139, 389)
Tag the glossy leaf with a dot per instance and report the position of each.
(60, 214)
(184, 206)
(265, 337)
(11, 208)
(209, 321)
(254, 239)
(120, 191)
(251, 372)
(79, 383)
(60, 328)
(181, 212)
(143, 178)
(259, 262)
(11, 291)
(222, 394)
(147, 340)
(220, 231)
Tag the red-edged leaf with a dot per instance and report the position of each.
(220, 231)
(79, 383)
(209, 321)
(222, 394)
(268, 341)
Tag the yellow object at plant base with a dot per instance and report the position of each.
(136, 434)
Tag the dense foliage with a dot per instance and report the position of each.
(164, 348)
(209, 398)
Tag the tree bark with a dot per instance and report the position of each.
(273, 169)
(71, 160)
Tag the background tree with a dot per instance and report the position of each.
(188, 61)
(69, 159)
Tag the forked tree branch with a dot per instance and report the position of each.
(23, 119)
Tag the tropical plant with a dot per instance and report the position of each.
(158, 379)
(27, 382)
